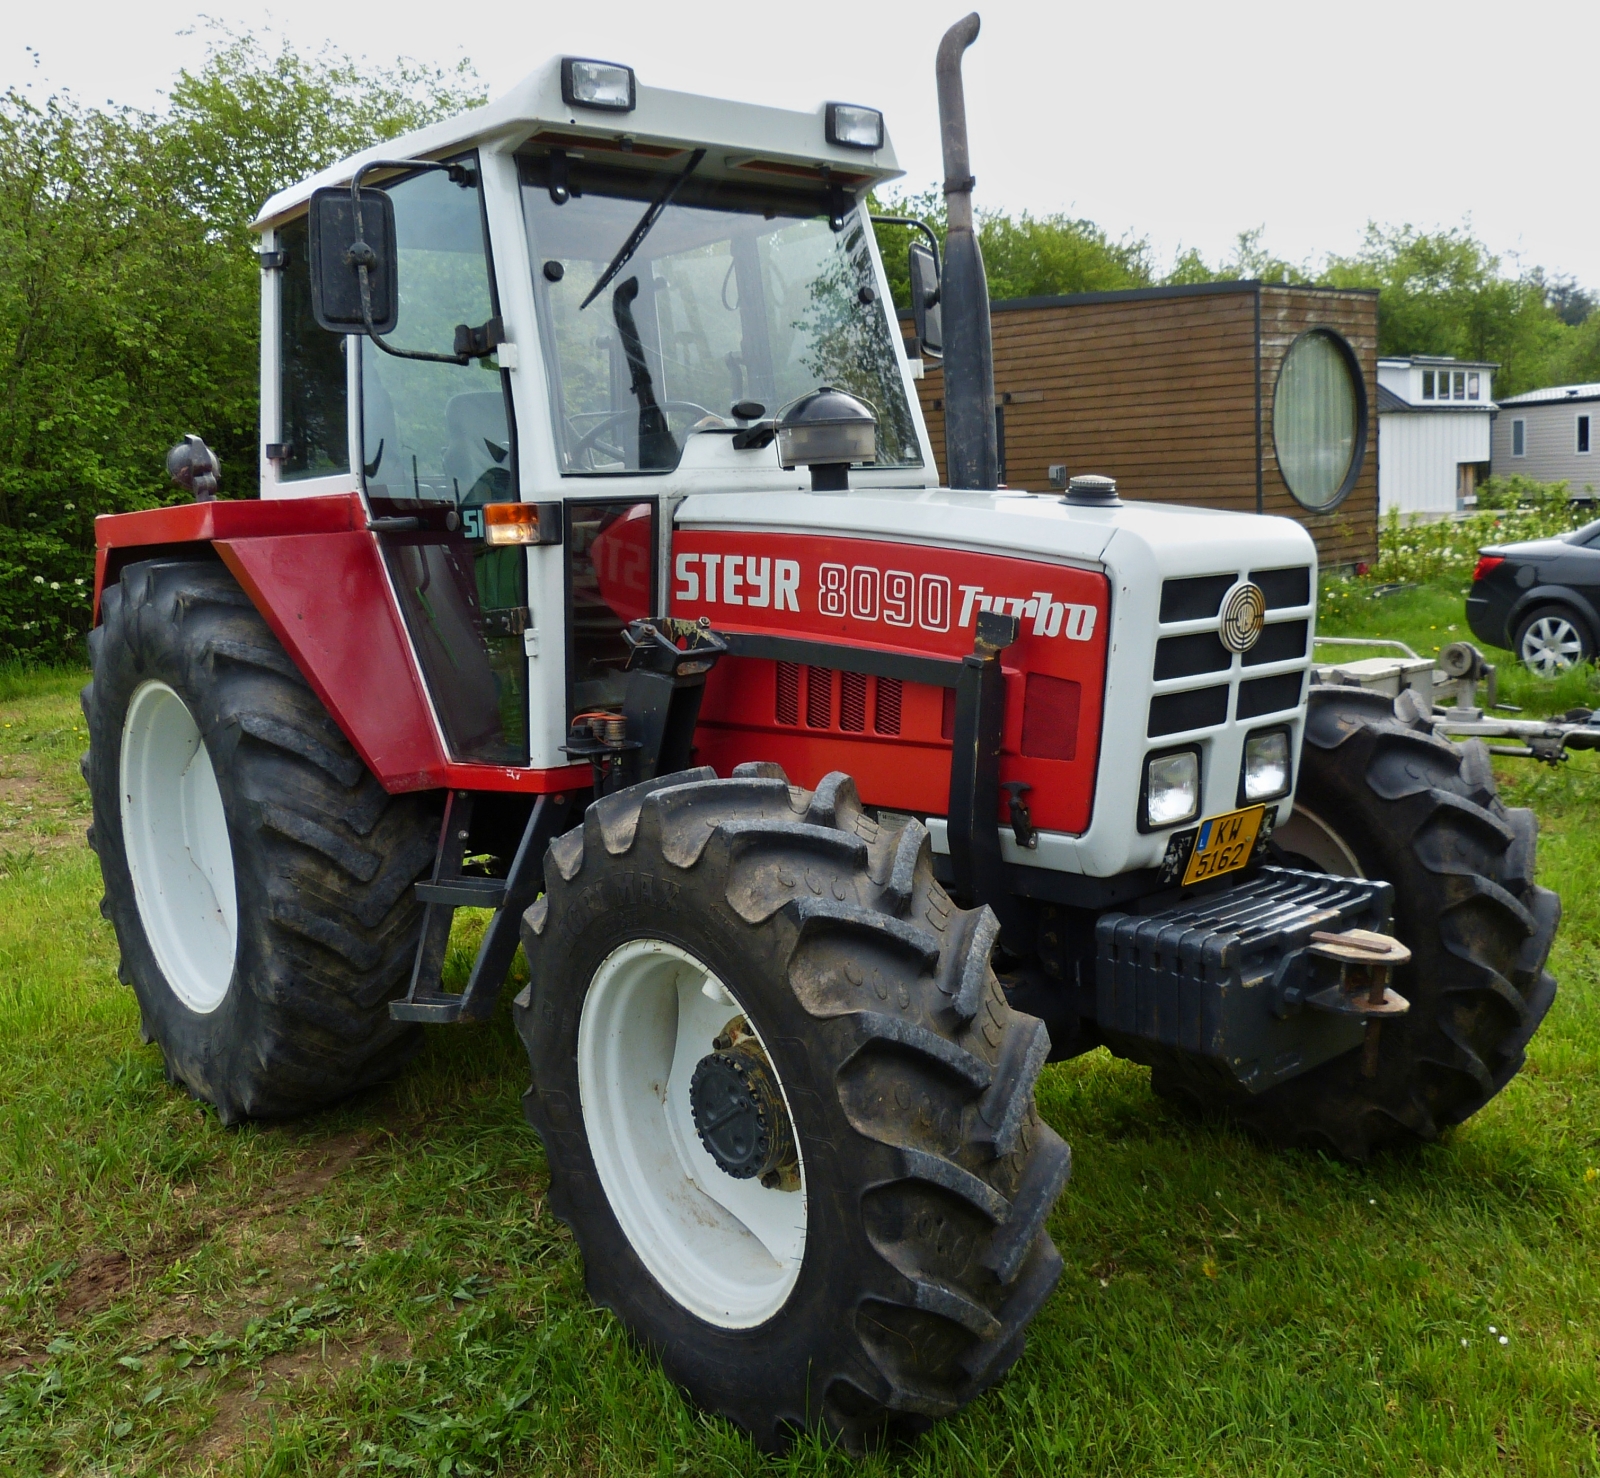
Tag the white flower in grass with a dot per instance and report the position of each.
(38, 579)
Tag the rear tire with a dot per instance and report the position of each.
(1421, 813)
(256, 873)
(914, 1228)
(1553, 640)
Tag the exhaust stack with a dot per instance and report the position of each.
(971, 451)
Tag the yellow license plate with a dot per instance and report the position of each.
(1224, 844)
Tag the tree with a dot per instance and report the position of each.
(1444, 292)
(1026, 256)
(128, 292)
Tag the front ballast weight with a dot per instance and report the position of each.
(1262, 981)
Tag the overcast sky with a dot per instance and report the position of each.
(1181, 122)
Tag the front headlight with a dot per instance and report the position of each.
(1171, 789)
(1266, 767)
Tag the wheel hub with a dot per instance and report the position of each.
(726, 1246)
(738, 1112)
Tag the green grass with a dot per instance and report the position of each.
(381, 1288)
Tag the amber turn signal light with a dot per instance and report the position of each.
(522, 523)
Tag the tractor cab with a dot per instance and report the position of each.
(591, 296)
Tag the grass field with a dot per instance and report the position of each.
(381, 1289)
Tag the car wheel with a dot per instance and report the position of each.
(1553, 640)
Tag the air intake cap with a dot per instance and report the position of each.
(1093, 491)
(826, 431)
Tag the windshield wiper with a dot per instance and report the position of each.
(646, 221)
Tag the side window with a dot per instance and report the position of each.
(1519, 438)
(436, 433)
(315, 421)
(1583, 433)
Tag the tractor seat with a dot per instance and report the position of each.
(478, 443)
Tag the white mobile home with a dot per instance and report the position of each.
(1550, 435)
(1434, 416)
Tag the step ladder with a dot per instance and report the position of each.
(447, 890)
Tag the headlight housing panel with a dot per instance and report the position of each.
(1169, 790)
(1267, 772)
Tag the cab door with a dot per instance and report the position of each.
(438, 444)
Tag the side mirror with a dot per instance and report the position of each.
(338, 250)
(925, 311)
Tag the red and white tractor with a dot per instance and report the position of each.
(600, 536)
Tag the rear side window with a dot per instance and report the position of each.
(311, 373)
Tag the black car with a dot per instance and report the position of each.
(1540, 598)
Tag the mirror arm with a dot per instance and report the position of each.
(361, 256)
(916, 225)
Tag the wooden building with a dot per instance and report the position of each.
(1190, 394)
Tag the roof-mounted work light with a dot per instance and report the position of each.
(592, 84)
(854, 127)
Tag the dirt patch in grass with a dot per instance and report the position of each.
(37, 810)
(15, 1359)
(245, 1405)
(320, 1166)
(98, 1278)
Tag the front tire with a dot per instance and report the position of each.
(256, 873)
(1378, 788)
(882, 1277)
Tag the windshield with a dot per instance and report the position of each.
(733, 297)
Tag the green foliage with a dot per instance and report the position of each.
(1518, 491)
(1416, 549)
(129, 295)
(1445, 293)
(1024, 256)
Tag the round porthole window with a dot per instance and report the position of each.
(1319, 419)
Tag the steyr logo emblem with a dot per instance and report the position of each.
(1244, 613)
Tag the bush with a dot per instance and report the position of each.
(1415, 550)
(1518, 491)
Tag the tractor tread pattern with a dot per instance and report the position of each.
(324, 858)
(921, 1072)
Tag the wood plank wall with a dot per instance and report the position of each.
(1158, 389)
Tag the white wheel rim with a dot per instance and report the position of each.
(1551, 646)
(729, 1251)
(1307, 835)
(175, 834)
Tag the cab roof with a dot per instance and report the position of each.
(742, 140)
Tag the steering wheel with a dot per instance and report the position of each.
(590, 440)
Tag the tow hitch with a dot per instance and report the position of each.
(1364, 960)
